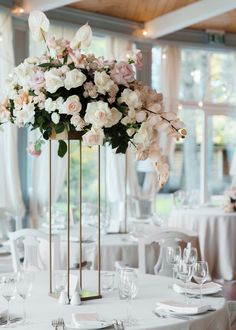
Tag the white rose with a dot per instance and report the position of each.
(144, 135)
(131, 98)
(115, 117)
(103, 82)
(38, 24)
(72, 105)
(74, 78)
(55, 117)
(98, 114)
(82, 38)
(50, 105)
(54, 80)
(23, 73)
(93, 137)
(26, 115)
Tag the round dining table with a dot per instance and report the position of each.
(42, 309)
(216, 234)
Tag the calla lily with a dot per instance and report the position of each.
(38, 24)
(82, 38)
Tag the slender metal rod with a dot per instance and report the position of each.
(80, 215)
(126, 186)
(68, 219)
(99, 220)
(50, 216)
(105, 187)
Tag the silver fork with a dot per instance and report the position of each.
(55, 324)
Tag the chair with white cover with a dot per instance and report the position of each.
(165, 237)
(25, 245)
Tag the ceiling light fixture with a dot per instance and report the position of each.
(144, 33)
(18, 8)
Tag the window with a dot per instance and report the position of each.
(207, 87)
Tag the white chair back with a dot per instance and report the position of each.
(165, 236)
(30, 240)
(4, 222)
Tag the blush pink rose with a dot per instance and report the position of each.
(93, 137)
(122, 73)
(37, 80)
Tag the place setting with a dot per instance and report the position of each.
(189, 280)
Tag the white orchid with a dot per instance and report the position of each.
(38, 24)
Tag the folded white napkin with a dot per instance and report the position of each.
(181, 308)
(88, 321)
(193, 288)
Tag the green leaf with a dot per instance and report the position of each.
(62, 149)
(59, 128)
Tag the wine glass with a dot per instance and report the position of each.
(184, 271)
(24, 288)
(173, 256)
(8, 291)
(190, 255)
(200, 271)
(128, 288)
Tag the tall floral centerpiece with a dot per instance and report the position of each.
(65, 90)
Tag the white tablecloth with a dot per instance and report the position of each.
(41, 308)
(216, 232)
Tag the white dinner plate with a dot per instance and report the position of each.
(89, 325)
(194, 289)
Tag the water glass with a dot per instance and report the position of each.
(173, 256)
(184, 271)
(60, 278)
(8, 291)
(24, 288)
(200, 271)
(128, 288)
(108, 281)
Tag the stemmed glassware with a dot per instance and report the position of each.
(128, 288)
(24, 288)
(200, 271)
(184, 271)
(8, 291)
(190, 255)
(173, 256)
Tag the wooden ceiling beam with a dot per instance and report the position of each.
(187, 16)
(45, 5)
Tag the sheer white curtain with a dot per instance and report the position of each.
(117, 48)
(40, 166)
(170, 80)
(10, 196)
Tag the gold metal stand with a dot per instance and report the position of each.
(85, 294)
